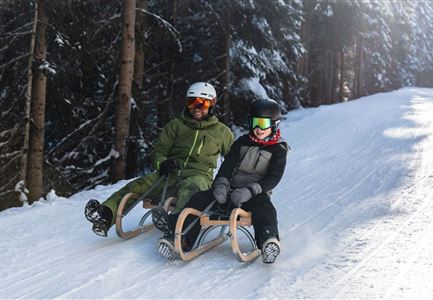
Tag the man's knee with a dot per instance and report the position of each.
(200, 200)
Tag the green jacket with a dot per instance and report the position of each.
(196, 145)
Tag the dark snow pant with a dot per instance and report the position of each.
(263, 215)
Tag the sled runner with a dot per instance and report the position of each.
(239, 219)
(148, 203)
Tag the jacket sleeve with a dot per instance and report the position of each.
(230, 161)
(164, 143)
(275, 169)
(227, 141)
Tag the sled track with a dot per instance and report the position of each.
(416, 222)
(347, 280)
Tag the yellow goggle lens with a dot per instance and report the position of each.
(262, 123)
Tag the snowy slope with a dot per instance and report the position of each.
(355, 216)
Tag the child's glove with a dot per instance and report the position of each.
(168, 166)
(242, 195)
(221, 187)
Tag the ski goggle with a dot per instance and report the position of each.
(262, 123)
(197, 102)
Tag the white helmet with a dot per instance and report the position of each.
(202, 90)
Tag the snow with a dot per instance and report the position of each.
(253, 84)
(46, 66)
(355, 218)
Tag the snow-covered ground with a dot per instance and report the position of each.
(355, 216)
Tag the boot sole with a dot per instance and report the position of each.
(166, 249)
(160, 220)
(93, 212)
(270, 251)
(99, 229)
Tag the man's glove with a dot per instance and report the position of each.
(168, 166)
(221, 187)
(242, 195)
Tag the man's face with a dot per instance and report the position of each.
(198, 114)
(198, 107)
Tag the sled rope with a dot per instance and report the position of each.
(205, 211)
(160, 179)
(164, 192)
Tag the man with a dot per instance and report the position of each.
(186, 151)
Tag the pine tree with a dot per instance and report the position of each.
(123, 108)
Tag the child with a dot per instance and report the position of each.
(251, 169)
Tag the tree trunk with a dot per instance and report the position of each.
(164, 106)
(306, 37)
(137, 92)
(328, 77)
(335, 67)
(36, 147)
(28, 97)
(359, 69)
(227, 45)
(342, 72)
(140, 28)
(171, 78)
(123, 109)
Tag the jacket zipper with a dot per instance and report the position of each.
(190, 151)
(201, 145)
(257, 161)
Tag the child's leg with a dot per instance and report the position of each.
(264, 218)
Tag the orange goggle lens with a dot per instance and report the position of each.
(197, 102)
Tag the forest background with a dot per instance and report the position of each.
(86, 86)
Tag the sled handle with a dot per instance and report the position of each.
(119, 229)
(245, 220)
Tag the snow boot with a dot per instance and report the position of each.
(101, 217)
(166, 247)
(270, 250)
(162, 220)
(269, 245)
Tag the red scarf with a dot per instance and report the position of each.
(273, 140)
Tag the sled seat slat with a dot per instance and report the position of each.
(219, 219)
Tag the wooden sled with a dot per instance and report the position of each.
(238, 220)
(147, 203)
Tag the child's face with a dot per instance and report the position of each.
(261, 134)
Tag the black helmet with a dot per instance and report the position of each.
(266, 109)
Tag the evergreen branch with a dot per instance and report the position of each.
(171, 29)
(8, 155)
(16, 155)
(17, 33)
(19, 17)
(106, 22)
(99, 120)
(14, 60)
(14, 178)
(7, 192)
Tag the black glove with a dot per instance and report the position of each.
(168, 167)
